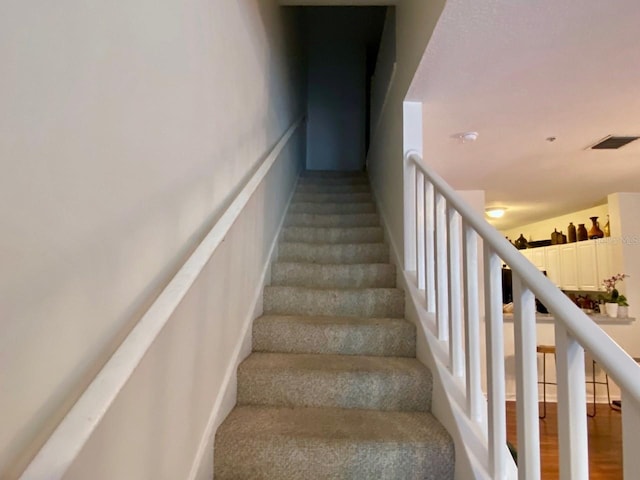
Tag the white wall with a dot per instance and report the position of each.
(125, 130)
(542, 230)
(625, 234)
(336, 78)
(163, 423)
(415, 22)
(385, 68)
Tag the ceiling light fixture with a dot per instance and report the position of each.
(495, 212)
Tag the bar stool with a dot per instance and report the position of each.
(593, 383)
(551, 349)
(544, 350)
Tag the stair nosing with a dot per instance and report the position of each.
(322, 358)
(337, 289)
(346, 265)
(328, 243)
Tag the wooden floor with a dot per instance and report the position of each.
(605, 442)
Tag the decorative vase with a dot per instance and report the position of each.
(594, 231)
(571, 232)
(521, 242)
(612, 310)
(623, 311)
(607, 228)
(582, 232)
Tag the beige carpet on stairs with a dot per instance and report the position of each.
(332, 389)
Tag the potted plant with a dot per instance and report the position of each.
(613, 295)
(623, 307)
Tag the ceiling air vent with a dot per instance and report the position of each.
(612, 142)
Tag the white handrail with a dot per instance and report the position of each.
(59, 451)
(575, 331)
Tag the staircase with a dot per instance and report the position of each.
(332, 389)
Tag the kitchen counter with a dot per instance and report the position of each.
(596, 317)
(620, 330)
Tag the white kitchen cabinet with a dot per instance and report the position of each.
(580, 266)
(552, 264)
(568, 266)
(604, 256)
(587, 266)
(535, 256)
(538, 258)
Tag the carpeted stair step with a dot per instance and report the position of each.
(388, 337)
(348, 253)
(332, 389)
(332, 208)
(356, 302)
(333, 220)
(332, 197)
(344, 381)
(330, 188)
(265, 443)
(333, 234)
(353, 180)
(318, 275)
(333, 174)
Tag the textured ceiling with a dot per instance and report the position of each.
(519, 72)
(344, 3)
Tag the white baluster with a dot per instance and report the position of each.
(495, 363)
(419, 187)
(442, 294)
(456, 356)
(429, 256)
(409, 215)
(572, 407)
(475, 398)
(526, 381)
(630, 436)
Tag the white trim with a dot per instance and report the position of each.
(574, 333)
(469, 439)
(615, 361)
(75, 429)
(218, 412)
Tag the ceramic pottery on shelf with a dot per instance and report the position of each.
(594, 231)
(607, 228)
(521, 242)
(623, 312)
(582, 232)
(571, 233)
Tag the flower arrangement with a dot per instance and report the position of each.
(610, 286)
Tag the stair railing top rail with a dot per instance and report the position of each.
(65, 443)
(441, 247)
(618, 364)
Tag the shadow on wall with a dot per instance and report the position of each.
(341, 41)
(115, 181)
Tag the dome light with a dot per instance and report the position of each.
(495, 212)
